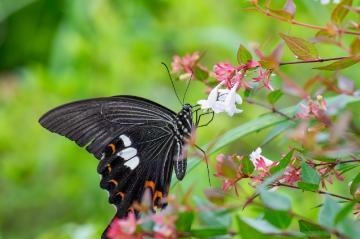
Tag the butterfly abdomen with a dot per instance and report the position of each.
(184, 127)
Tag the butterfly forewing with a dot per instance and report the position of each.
(137, 141)
(96, 122)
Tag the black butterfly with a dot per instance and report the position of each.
(137, 141)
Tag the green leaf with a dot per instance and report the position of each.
(259, 123)
(328, 212)
(212, 218)
(243, 55)
(280, 128)
(340, 11)
(309, 174)
(344, 168)
(280, 219)
(274, 96)
(313, 230)
(248, 232)
(184, 221)
(275, 200)
(308, 186)
(302, 49)
(247, 93)
(339, 64)
(200, 74)
(209, 232)
(344, 212)
(247, 165)
(283, 162)
(355, 185)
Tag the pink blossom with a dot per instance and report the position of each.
(123, 228)
(232, 75)
(164, 226)
(229, 170)
(264, 76)
(260, 162)
(291, 175)
(314, 109)
(225, 72)
(185, 64)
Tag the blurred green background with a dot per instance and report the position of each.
(56, 51)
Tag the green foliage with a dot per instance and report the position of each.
(53, 52)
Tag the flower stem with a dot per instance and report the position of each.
(312, 61)
(271, 108)
(266, 12)
(318, 191)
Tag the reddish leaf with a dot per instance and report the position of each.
(268, 63)
(243, 55)
(290, 7)
(215, 196)
(282, 13)
(340, 11)
(277, 53)
(326, 36)
(345, 85)
(339, 128)
(355, 46)
(303, 49)
(340, 64)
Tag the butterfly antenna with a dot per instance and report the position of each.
(206, 160)
(187, 87)
(172, 81)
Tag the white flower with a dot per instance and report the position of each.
(222, 100)
(258, 160)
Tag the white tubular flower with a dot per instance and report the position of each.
(222, 100)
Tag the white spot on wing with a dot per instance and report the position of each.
(126, 140)
(127, 153)
(133, 163)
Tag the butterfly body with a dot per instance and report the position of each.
(137, 141)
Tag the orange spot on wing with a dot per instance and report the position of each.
(150, 184)
(121, 194)
(113, 181)
(131, 210)
(157, 195)
(108, 167)
(112, 146)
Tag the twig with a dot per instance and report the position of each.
(271, 108)
(318, 191)
(294, 22)
(312, 61)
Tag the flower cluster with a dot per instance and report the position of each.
(223, 97)
(231, 169)
(186, 66)
(314, 109)
(163, 226)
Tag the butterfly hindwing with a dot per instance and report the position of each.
(139, 158)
